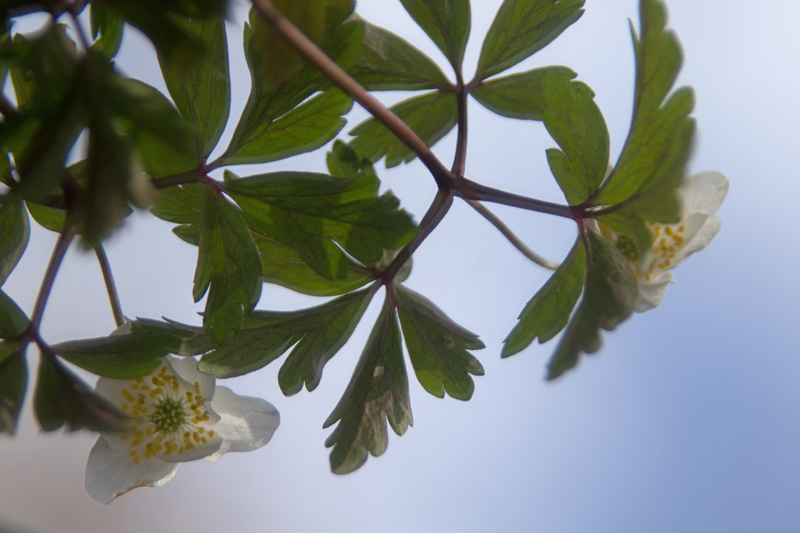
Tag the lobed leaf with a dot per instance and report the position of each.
(14, 233)
(13, 383)
(437, 346)
(377, 392)
(13, 320)
(521, 28)
(228, 267)
(61, 398)
(520, 95)
(608, 299)
(387, 62)
(548, 311)
(577, 125)
(447, 23)
(430, 115)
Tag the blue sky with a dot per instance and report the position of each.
(687, 420)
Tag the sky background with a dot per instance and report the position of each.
(687, 420)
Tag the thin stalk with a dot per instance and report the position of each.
(60, 250)
(111, 288)
(436, 212)
(343, 81)
(513, 239)
(460, 160)
(470, 190)
(177, 179)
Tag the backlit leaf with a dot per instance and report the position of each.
(13, 383)
(447, 23)
(520, 95)
(14, 233)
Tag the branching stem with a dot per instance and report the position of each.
(111, 288)
(60, 250)
(460, 160)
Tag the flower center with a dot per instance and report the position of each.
(168, 416)
(667, 240)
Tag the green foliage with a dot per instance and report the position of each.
(228, 267)
(378, 391)
(608, 298)
(13, 321)
(520, 95)
(317, 334)
(386, 62)
(548, 311)
(521, 28)
(62, 399)
(447, 23)
(203, 94)
(576, 124)
(13, 383)
(14, 233)
(107, 28)
(431, 116)
(437, 346)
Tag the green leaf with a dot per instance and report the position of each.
(377, 392)
(389, 63)
(181, 204)
(13, 320)
(13, 383)
(125, 356)
(317, 333)
(228, 267)
(184, 339)
(14, 233)
(203, 93)
(520, 95)
(316, 214)
(660, 138)
(430, 115)
(107, 29)
(548, 311)
(521, 28)
(437, 346)
(577, 125)
(305, 128)
(61, 398)
(447, 23)
(267, 104)
(608, 299)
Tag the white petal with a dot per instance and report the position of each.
(200, 450)
(699, 240)
(186, 368)
(704, 192)
(651, 293)
(110, 473)
(247, 423)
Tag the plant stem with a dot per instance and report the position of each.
(436, 212)
(469, 190)
(193, 176)
(60, 250)
(460, 160)
(343, 81)
(513, 239)
(111, 288)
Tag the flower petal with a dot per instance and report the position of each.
(110, 473)
(697, 239)
(651, 293)
(704, 192)
(246, 423)
(186, 368)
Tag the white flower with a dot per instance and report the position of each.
(700, 195)
(178, 414)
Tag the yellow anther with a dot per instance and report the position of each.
(138, 460)
(669, 231)
(125, 437)
(134, 453)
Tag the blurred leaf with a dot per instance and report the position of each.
(377, 391)
(268, 105)
(447, 23)
(61, 398)
(521, 28)
(228, 263)
(386, 62)
(577, 125)
(317, 333)
(437, 346)
(305, 128)
(316, 214)
(185, 339)
(13, 383)
(119, 356)
(658, 144)
(13, 320)
(430, 115)
(344, 162)
(520, 95)
(107, 28)
(608, 299)
(203, 93)
(548, 311)
(14, 233)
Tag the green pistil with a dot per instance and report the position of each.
(168, 416)
(628, 247)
